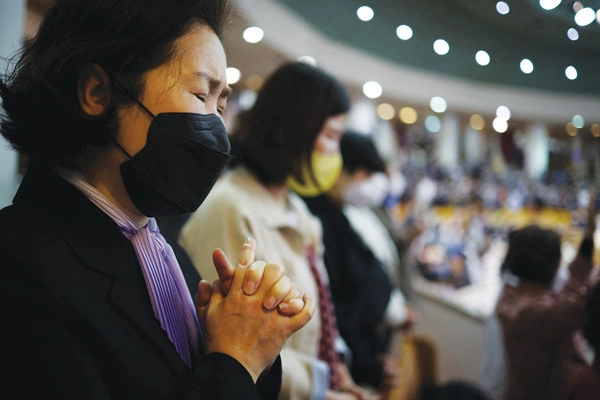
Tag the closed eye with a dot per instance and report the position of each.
(201, 97)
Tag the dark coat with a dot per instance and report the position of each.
(361, 290)
(77, 317)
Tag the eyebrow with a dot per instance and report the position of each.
(214, 82)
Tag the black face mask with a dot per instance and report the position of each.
(183, 157)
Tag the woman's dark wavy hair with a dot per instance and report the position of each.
(533, 254)
(276, 136)
(43, 119)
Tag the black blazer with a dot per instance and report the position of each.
(77, 319)
(360, 288)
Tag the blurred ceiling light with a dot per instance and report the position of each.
(571, 130)
(404, 32)
(308, 60)
(526, 66)
(502, 8)
(386, 111)
(372, 89)
(253, 34)
(500, 125)
(441, 47)
(254, 82)
(477, 122)
(433, 124)
(246, 99)
(503, 112)
(365, 13)
(549, 4)
(482, 57)
(571, 72)
(577, 6)
(598, 16)
(233, 75)
(408, 115)
(595, 130)
(585, 16)
(578, 121)
(573, 34)
(438, 104)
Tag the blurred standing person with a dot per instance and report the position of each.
(368, 305)
(586, 384)
(117, 104)
(289, 138)
(538, 325)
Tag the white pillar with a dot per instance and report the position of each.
(448, 142)
(12, 21)
(536, 150)
(474, 147)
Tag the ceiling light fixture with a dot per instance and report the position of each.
(372, 89)
(578, 121)
(308, 60)
(408, 115)
(253, 34)
(585, 16)
(502, 8)
(571, 72)
(477, 122)
(433, 124)
(438, 104)
(503, 112)
(500, 125)
(386, 111)
(441, 47)
(404, 32)
(573, 34)
(365, 13)
(482, 57)
(233, 75)
(549, 4)
(526, 66)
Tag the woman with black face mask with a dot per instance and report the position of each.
(117, 104)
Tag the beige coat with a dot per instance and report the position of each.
(239, 207)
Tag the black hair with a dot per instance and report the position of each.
(533, 254)
(277, 135)
(127, 38)
(359, 151)
(591, 325)
(453, 390)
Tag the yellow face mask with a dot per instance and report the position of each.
(327, 169)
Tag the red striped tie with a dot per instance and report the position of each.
(329, 332)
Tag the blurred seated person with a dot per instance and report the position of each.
(367, 304)
(538, 324)
(586, 384)
(453, 390)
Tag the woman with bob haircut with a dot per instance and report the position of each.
(289, 139)
(117, 105)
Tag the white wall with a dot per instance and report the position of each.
(12, 20)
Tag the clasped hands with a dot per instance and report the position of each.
(251, 310)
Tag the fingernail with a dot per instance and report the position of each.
(284, 306)
(249, 287)
(249, 241)
(270, 302)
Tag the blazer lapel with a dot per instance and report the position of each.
(102, 248)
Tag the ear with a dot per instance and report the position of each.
(93, 90)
